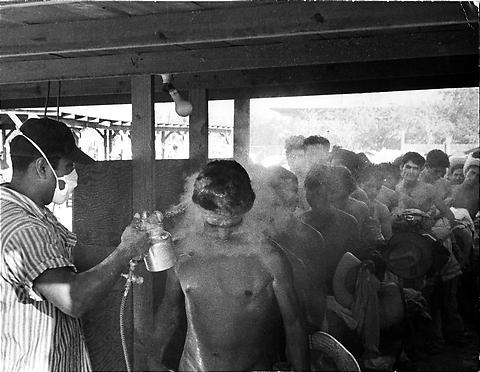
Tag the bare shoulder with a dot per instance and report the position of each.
(310, 233)
(345, 219)
(272, 256)
(381, 208)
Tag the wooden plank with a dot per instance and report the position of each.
(459, 80)
(364, 49)
(198, 131)
(101, 210)
(183, 28)
(241, 129)
(272, 77)
(143, 193)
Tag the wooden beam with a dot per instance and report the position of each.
(241, 129)
(107, 91)
(198, 131)
(264, 21)
(143, 198)
(345, 50)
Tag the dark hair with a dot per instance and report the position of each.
(373, 171)
(437, 158)
(223, 187)
(414, 157)
(342, 178)
(317, 140)
(278, 175)
(387, 169)
(294, 143)
(349, 159)
(318, 175)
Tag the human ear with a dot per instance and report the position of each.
(41, 167)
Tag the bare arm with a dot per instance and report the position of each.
(385, 221)
(296, 339)
(75, 293)
(442, 207)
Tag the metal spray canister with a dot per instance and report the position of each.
(161, 255)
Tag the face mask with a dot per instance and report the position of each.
(60, 196)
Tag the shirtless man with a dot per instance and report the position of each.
(317, 150)
(417, 194)
(387, 194)
(350, 160)
(440, 291)
(436, 165)
(466, 194)
(339, 229)
(304, 246)
(455, 172)
(371, 181)
(237, 287)
(297, 162)
(340, 196)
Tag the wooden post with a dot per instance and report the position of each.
(241, 129)
(198, 131)
(143, 198)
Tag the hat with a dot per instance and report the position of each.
(344, 279)
(328, 345)
(53, 137)
(409, 255)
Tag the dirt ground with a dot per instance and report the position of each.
(452, 357)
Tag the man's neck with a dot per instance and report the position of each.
(27, 189)
(222, 233)
(324, 213)
(409, 183)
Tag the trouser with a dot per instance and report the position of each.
(442, 300)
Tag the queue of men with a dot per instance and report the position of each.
(304, 259)
(274, 266)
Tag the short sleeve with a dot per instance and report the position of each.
(29, 252)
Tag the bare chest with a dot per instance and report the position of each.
(219, 276)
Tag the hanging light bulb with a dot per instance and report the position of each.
(182, 107)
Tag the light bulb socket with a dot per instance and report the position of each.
(167, 87)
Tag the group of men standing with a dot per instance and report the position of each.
(259, 255)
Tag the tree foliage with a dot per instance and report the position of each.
(452, 115)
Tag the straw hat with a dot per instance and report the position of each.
(338, 356)
(344, 279)
(409, 255)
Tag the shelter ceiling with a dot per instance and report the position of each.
(255, 47)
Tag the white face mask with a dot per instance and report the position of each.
(60, 196)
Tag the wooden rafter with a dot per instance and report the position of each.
(345, 50)
(193, 28)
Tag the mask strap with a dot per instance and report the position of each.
(18, 132)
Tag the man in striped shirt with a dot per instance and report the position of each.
(42, 296)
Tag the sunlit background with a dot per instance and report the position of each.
(382, 125)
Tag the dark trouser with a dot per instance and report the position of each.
(442, 300)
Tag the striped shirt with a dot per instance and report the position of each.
(34, 334)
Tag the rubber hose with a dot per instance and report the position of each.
(122, 330)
